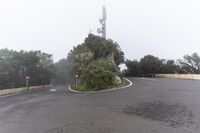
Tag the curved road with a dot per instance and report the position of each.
(149, 106)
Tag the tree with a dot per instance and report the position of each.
(15, 66)
(191, 63)
(95, 49)
(103, 48)
(133, 68)
(169, 67)
(39, 67)
(150, 64)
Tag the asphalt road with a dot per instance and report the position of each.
(149, 106)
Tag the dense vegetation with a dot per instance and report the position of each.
(151, 65)
(96, 62)
(98, 76)
(15, 66)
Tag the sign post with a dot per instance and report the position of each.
(76, 76)
(27, 82)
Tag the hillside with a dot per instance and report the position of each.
(96, 62)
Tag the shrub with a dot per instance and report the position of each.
(98, 76)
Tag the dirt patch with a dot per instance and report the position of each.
(175, 115)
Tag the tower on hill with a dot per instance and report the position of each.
(102, 20)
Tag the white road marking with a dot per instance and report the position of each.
(149, 79)
(52, 90)
(114, 89)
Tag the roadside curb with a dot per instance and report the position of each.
(19, 93)
(4, 96)
(113, 89)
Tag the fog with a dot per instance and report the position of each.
(168, 29)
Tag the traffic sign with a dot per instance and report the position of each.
(27, 77)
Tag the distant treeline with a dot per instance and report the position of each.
(39, 66)
(15, 66)
(150, 65)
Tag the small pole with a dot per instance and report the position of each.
(27, 83)
(76, 81)
(76, 76)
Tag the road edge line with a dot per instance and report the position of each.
(113, 89)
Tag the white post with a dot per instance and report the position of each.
(27, 83)
(76, 81)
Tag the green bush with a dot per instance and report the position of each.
(98, 76)
(97, 62)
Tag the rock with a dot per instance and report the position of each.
(118, 79)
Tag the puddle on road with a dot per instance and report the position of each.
(175, 115)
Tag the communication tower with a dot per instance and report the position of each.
(102, 21)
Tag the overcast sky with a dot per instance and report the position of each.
(165, 28)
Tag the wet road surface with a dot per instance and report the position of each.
(149, 106)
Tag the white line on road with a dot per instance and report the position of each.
(149, 79)
(52, 90)
(114, 89)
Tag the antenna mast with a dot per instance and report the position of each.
(102, 30)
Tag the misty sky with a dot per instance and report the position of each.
(165, 28)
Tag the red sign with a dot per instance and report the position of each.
(77, 76)
(27, 77)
